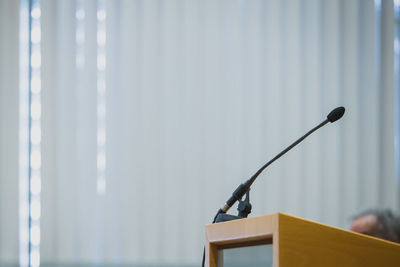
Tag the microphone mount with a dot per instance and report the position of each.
(244, 209)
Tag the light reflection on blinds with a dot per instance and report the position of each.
(35, 134)
(24, 132)
(101, 97)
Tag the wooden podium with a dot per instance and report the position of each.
(297, 242)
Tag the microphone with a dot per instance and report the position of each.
(333, 116)
(242, 189)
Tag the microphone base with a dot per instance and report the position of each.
(244, 209)
(223, 217)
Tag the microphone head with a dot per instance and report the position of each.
(336, 114)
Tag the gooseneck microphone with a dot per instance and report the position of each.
(333, 116)
(244, 188)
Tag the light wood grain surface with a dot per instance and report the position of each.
(299, 242)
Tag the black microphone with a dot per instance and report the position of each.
(333, 116)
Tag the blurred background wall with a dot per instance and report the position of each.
(152, 112)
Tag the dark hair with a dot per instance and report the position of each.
(389, 224)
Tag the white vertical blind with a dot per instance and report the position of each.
(351, 85)
(9, 117)
(311, 53)
(200, 94)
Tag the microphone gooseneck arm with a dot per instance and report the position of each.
(333, 116)
(243, 188)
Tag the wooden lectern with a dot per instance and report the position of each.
(297, 242)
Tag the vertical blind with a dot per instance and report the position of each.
(9, 211)
(199, 95)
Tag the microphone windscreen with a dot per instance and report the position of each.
(336, 114)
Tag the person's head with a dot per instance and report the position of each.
(378, 223)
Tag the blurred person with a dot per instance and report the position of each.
(378, 223)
